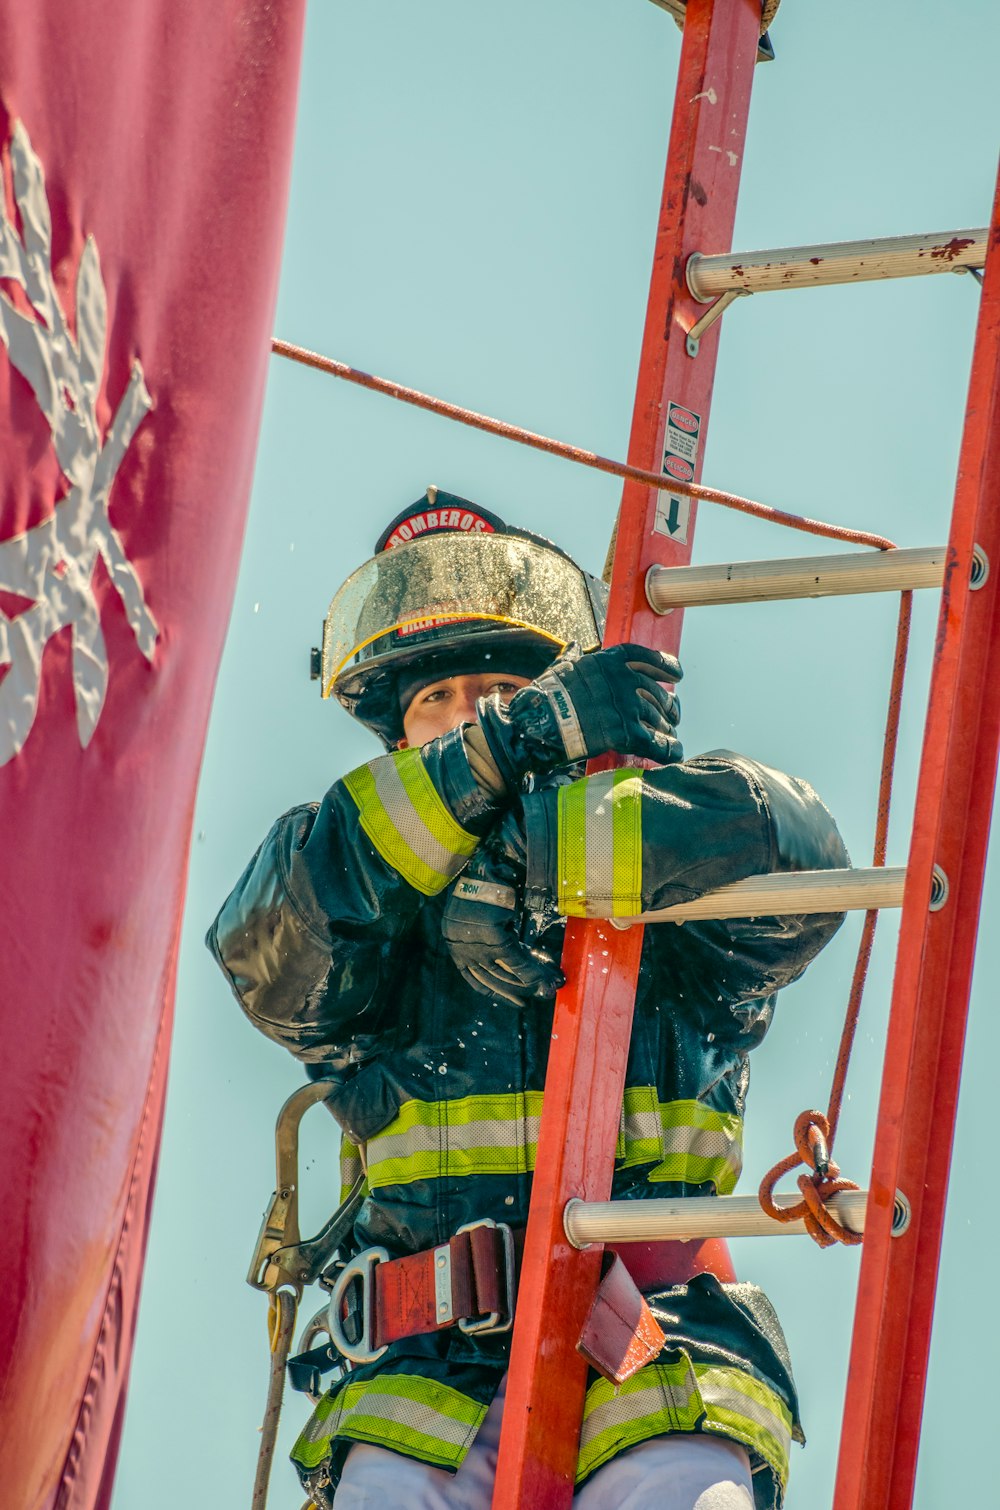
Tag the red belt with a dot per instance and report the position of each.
(470, 1282)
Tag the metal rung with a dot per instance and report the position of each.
(789, 892)
(835, 262)
(670, 587)
(707, 1217)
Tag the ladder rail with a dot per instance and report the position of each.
(927, 1023)
(547, 1377)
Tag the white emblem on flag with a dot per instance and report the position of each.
(52, 564)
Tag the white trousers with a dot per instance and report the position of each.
(681, 1472)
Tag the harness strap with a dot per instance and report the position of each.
(465, 1280)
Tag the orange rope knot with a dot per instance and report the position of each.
(812, 1148)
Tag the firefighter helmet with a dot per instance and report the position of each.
(450, 589)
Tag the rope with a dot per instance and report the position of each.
(574, 453)
(812, 1147)
(281, 1325)
(812, 1130)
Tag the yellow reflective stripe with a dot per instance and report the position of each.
(571, 845)
(701, 1146)
(640, 1136)
(689, 1169)
(626, 813)
(738, 1405)
(686, 1142)
(416, 1415)
(350, 1167)
(660, 1398)
(474, 1135)
(684, 1396)
(453, 1164)
(498, 1106)
(428, 804)
(403, 815)
(599, 846)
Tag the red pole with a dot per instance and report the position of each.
(934, 968)
(583, 1092)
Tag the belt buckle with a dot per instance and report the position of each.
(362, 1268)
(491, 1321)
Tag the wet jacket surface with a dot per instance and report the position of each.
(331, 942)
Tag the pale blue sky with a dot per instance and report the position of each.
(473, 206)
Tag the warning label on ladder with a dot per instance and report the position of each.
(680, 454)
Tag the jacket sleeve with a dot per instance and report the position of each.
(308, 937)
(625, 842)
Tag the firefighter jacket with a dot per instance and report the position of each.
(331, 942)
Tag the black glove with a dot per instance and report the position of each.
(583, 705)
(482, 920)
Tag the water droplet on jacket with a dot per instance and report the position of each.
(442, 1069)
(508, 1200)
(711, 1037)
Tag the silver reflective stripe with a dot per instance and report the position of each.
(350, 1166)
(742, 1404)
(704, 1143)
(685, 1396)
(565, 716)
(453, 1150)
(399, 1409)
(422, 1417)
(683, 1142)
(659, 1398)
(642, 1126)
(411, 823)
(406, 819)
(599, 847)
(600, 852)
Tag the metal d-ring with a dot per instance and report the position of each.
(361, 1268)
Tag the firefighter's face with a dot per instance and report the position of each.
(444, 704)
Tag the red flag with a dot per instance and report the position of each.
(145, 153)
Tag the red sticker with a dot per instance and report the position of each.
(678, 467)
(432, 520)
(684, 419)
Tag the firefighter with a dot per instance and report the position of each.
(402, 938)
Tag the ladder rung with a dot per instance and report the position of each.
(797, 577)
(706, 1217)
(835, 262)
(790, 892)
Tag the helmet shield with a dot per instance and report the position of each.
(447, 595)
